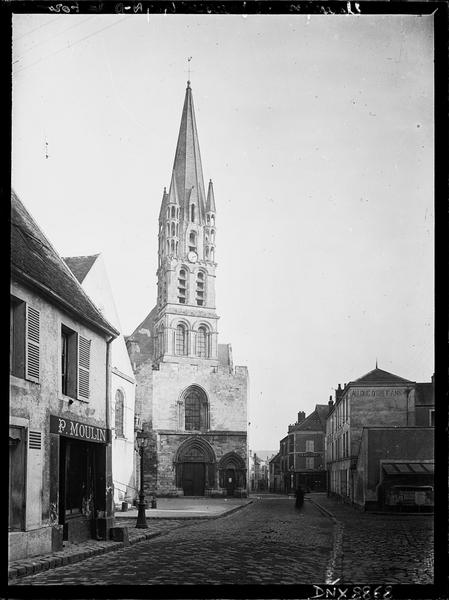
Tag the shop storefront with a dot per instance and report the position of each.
(82, 495)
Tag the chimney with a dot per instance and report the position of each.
(301, 416)
(330, 403)
(338, 392)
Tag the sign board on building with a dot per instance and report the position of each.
(80, 431)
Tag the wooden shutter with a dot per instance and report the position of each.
(32, 344)
(83, 367)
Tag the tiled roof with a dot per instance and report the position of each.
(379, 377)
(80, 265)
(36, 262)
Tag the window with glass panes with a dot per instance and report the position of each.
(119, 413)
(181, 340)
(193, 411)
(200, 288)
(201, 342)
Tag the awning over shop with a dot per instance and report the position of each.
(408, 468)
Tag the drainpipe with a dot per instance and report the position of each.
(109, 485)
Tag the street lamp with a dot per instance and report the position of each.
(142, 441)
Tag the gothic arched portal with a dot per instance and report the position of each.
(195, 467)
(232, 472)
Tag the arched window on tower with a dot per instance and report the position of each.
(119, 413)
(168, 229)
(173, 211)
(168, 247)
(212, 254)
(182, 286)
(200, 288)
(212, 235)
(192, 213)
(173, 229)
(208, 218)
(181, 340)
(207, 253)
(201, 342)
(212, 218)
(192, 240)
(196, 410)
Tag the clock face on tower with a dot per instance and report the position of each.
(192, 256)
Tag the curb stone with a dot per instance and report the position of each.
(44, 563)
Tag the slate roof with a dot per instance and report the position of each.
(187, 179)
(35, 262)
(80, 265)
(380, 377)
(315, 421)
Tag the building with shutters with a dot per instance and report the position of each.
(302, 461)
(191, 399)
(60, 484)
(380, 440)
(91, 272)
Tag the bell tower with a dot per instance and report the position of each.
(185, 328)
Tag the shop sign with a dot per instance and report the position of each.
(379, 393)
(80, 431)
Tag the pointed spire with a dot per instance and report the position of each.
(163, 204)
(187, 168)
(210, 204)
(173, 195)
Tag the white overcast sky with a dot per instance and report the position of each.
(317, 132)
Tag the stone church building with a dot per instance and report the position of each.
(190, 399)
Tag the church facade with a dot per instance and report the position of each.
(190, 398)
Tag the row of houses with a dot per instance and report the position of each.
(72, 394)
(372, 445)
(81, 396)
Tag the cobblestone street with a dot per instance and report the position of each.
(268, 542)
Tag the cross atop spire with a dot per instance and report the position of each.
(188, 71)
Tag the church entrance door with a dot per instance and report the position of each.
(230, 481)
(193, 478)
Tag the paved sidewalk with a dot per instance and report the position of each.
(378, 547)
(171, 513)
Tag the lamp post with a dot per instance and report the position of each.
(142, 442)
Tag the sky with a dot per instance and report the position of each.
(317, 131)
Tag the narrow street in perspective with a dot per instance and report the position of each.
(268, 542)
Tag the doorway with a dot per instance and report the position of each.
(193, 478)
(230, 480)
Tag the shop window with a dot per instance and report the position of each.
(310, 462)
(17, 477)
(75, 364)
(119, 413)
(78, 477)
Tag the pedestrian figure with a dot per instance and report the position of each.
(299, 497)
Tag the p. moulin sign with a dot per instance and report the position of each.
(80, 431)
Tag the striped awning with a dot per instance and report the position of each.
(412, 468)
